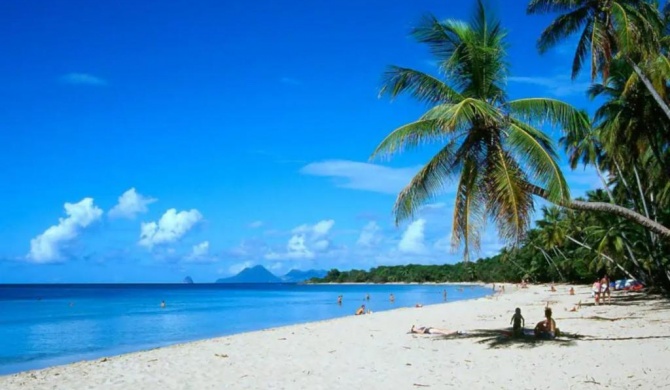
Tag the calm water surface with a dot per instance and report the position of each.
(44, 325)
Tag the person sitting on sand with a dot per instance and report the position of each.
(518, 322)
(553, 288)
(572, 291)
(546, 329)
(429, 330)
(361, 310)
(418, 305)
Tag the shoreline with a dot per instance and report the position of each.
(18, 361)
(375, 351)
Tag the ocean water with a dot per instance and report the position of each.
(45, 325)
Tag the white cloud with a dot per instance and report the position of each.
(306, 242)
(560, 85)
(171, 227)
(46, 247)
(412, 240)
(130, 204)
(200, 252)
(362, 176)
(256, 224)
(370, 235)
(83, 79)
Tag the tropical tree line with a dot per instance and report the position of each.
(497, 155)
(564, 246)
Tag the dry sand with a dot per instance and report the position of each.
(625, 345)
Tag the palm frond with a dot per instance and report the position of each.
(556, 112)
(426, 183)
(469, 207)
(462, 114)
(552, 6)
(509, 201)
(409, 136)
(536, 150)
(442, 37)
(582, 50)
(562, 27)
(421, 86)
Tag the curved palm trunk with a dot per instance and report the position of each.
(650, 87)
(610, 208)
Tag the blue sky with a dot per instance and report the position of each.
(147, 141)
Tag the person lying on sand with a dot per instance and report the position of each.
(546, 329)
(429, 330)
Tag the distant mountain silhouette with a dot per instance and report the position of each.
(297, 276)
(188, 280)
(257, 274)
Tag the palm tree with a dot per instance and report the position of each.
(489, 142)
(629, 28)
(489, 139)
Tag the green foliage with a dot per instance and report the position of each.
(495, 154)
(490, 145)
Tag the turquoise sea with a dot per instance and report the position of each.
(45, 325)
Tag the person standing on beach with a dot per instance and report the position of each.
(605, 289)
(518, 322)
(595, 290)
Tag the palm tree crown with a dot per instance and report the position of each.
(605, 27)
(490, 143)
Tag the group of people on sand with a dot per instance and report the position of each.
(545, 329)
(601, 289)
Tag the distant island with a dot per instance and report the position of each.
(259, 274)
(188, 280)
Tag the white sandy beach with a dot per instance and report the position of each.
(624, 345)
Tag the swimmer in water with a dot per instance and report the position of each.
(162, 304)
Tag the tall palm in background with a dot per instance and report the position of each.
(628, 29)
